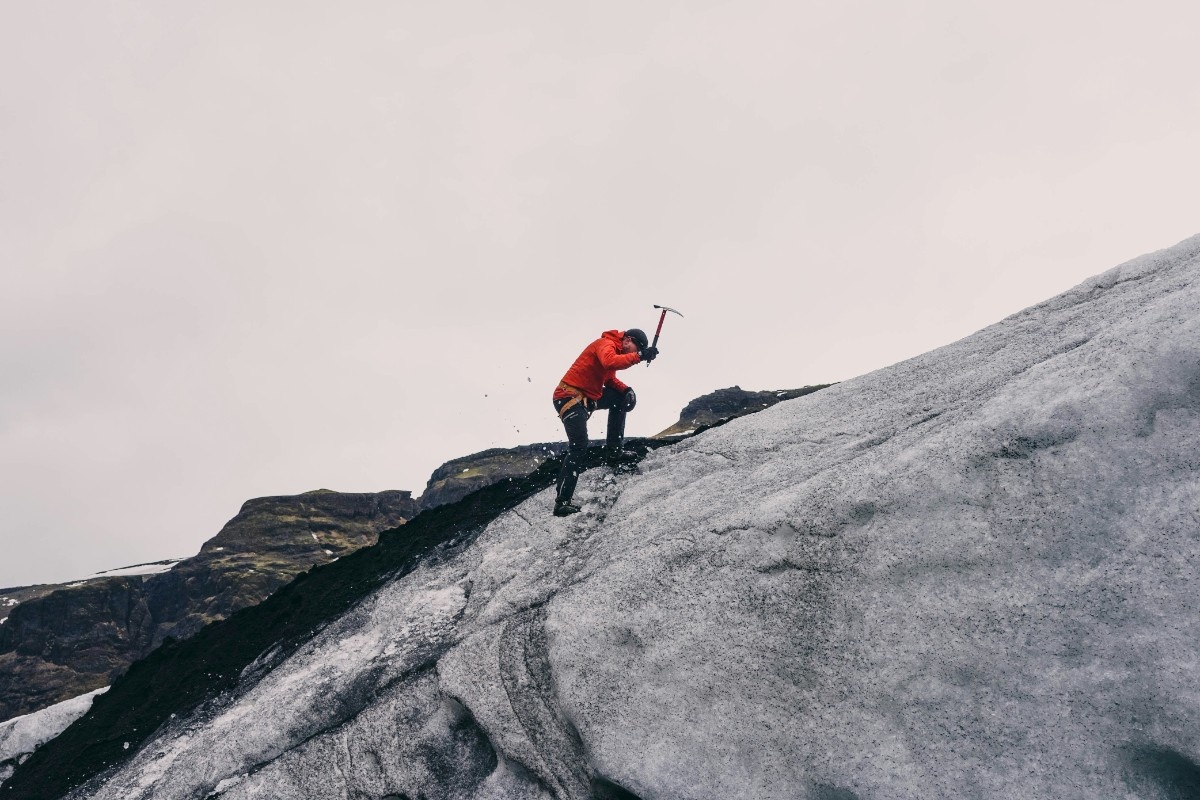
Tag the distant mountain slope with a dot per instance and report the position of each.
(60, 642)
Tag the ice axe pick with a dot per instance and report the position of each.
(661, 318)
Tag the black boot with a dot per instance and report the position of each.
(563, 508)
(621, 461)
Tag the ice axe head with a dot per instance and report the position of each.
(661, 318)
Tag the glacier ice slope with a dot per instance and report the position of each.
(971, 574)
(20, 736)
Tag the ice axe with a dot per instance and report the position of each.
(661, 318)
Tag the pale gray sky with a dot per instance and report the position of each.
(264, 247)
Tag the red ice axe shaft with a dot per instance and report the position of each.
(661, 318)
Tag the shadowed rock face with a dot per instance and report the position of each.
(60, 642)
(726, 404)
(13, 597)
(70, 639)
(456, 479)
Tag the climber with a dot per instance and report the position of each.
(589, 384)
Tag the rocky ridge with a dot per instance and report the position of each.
(456, 479)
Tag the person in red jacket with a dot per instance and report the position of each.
(589, 384)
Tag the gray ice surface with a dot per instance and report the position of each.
(972, 574)
(20, 736)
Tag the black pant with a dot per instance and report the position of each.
(575, 421)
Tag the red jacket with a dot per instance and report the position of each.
(597, 366)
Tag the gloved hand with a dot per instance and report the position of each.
(648, 353)
(629, 400)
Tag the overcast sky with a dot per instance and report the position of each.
(258, 248)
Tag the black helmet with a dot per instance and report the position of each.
(639, 336)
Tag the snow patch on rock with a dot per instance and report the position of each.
(154, 568)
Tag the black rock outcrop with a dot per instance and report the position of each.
(726, 404)
(456, 479)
